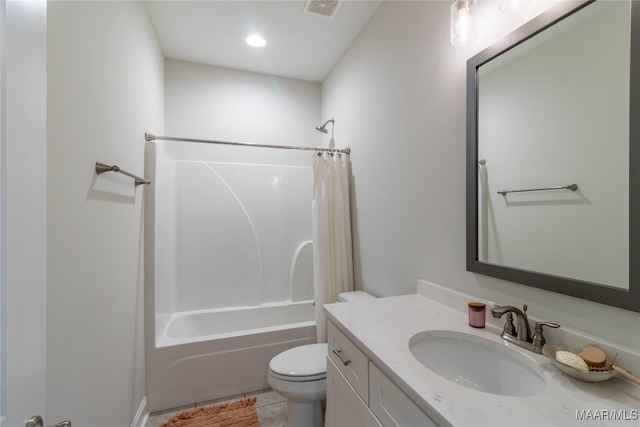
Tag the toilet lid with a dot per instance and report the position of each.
(304, 361)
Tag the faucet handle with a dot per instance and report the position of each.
(539, 325)
(538, 338)
(509, 329)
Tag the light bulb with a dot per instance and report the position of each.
(255, 41)
(463, 26)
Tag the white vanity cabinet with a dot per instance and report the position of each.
(344, 407)
(360, 394)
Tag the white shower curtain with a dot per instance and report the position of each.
(332, 255)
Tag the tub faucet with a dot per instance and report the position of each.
(36, 421)
(522, 335)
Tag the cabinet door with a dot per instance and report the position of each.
(349, 360)
(344, 407)
(391, 406)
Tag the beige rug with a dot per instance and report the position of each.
(241, 413)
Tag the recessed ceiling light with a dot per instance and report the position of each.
(255, 41)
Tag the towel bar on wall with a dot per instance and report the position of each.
(572, 187)
(102, 168)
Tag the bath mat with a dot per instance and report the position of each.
(241, 413)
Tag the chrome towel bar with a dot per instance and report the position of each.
(102, 168)
(572, 187)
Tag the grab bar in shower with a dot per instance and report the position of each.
(102, 168)
(572, 187)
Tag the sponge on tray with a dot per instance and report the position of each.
(572, 359)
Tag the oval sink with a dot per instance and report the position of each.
(478, 363)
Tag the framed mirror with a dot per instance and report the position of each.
(553, 154)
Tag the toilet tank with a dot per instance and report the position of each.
(354, 296)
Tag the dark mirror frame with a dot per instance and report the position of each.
(617, 297)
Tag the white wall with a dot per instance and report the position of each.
(399, 96)
(105, 89)
(24, 207)
(208, 102)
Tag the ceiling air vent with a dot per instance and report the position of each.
(326, 8)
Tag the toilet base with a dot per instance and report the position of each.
(300, 414)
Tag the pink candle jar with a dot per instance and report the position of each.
(477, 314)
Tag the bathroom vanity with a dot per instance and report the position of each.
(359, 393)
(374, 378)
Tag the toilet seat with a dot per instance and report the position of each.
(304, 363)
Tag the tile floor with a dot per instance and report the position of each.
(271, 408)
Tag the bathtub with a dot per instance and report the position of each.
(210, 354)
(211, 326)
(216, 324)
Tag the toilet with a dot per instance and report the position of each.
(299, 375)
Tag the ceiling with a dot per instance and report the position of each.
(300, 45)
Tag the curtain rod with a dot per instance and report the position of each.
(151, 137)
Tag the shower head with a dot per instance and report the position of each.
(323, 128)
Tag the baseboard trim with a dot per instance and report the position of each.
(142, 415)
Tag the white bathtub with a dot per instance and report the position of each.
(209, 354)
(215, 254)
(206, 325)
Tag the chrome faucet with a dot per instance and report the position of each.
(522, 335)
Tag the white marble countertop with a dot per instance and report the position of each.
(382, 329)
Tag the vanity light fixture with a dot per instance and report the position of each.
(513, 5)
(255, 41)
(463, 25)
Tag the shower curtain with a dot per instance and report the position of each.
(332, 254)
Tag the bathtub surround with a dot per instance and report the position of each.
(230, 234)
(332, 256)
(262, 198)
(232, 278)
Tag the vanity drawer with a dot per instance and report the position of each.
(350, 361)
(391, 406)
(344, 406)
